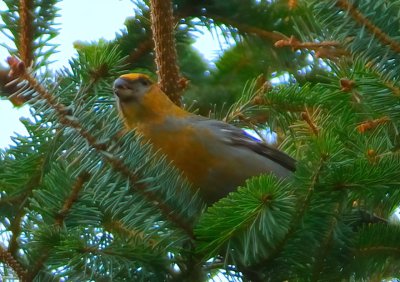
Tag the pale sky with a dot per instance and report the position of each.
(84, 20)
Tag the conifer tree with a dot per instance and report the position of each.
(82, 200)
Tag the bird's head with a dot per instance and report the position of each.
(141, 100)
(132, 87)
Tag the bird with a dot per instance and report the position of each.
(216, 157)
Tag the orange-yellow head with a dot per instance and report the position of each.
(140, 100)
(132, 87)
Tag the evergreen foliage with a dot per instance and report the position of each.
(83, 200)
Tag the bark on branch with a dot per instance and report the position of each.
(162, 26)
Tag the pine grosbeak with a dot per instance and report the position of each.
(215, 156)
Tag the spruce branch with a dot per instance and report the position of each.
(311, 124)
(139, 51)
(26, 31)
(363, 21)
(391, 85)
(247, 108)
(7, 258)
(252, 98)
(368, 218)
(244, 28)
(324, 49)
(372, 124)
(297, 218)
(162, 26)
(15, 226)
(376, 246)
(306, 201)
(7, 89)
(38, 266)
(347, 85)
(326, 244)
(395, 89)
(378, 250)
(73, 197)
(18, 68)
(244, 220)
(292, 4)
(330, 53)
(297, 44)
(46, 250)
(13, 200)
(117, 226)
(59, 219)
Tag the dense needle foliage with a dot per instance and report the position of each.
(82, 200)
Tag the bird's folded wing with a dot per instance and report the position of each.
(237, 137)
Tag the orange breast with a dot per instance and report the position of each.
(184, 150)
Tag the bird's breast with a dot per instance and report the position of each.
(182, 146)
(209, 163)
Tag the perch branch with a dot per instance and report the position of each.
(162, 26)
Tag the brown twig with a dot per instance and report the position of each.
(60, 217)
(346, 84)
(138, 52)
(324, 49)
(15, 226)
(18, 67)
(371, 124)
(369, 251)
(13, 200)
(162, 26)
(362, 20)
(73, 197)
(308, 119)
(15, 229)
(8, 259)
(39, 263)
(331, 53)
(390, 84)
(395, 90)
(297, 44)
(265, 34)
(26, 31)
(117, 226)
(8, 90)
(292, 4)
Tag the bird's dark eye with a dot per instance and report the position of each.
(144, 81)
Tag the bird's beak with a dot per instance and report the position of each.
(124, 90)
(120, 84)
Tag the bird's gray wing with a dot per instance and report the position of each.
(237, 137)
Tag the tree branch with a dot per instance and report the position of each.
(138, 52)
(82, 178)
(326, 244)
(244, 28)
(324, 49)
(116, 226)
(18, 68)
(162, 26)
(15, 226)
(39, 262)
(297, 218)
(26, 31)
(8, 259)
(73, 197)
(8, 90)
(363, 21)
